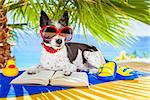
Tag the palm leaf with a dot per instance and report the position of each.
(107, 20)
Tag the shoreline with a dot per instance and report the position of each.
(141, 64)
(143, 60)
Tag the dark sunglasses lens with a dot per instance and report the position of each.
(66, 31)
(48, 35)
(49, 29)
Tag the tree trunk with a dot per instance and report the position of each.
(5, 47)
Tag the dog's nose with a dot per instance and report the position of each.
(58, 41)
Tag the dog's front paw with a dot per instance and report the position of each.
(68, 69)
(67, 73)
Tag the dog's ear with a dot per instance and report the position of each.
(44, 20)
(64, 19)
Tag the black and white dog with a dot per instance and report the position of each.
(59, 54)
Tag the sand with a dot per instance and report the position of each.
(137, 64)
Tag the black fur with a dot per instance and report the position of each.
(44, 20)
(64, 19)
(72, 50)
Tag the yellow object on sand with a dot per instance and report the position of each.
(10, 70)
(108, 70)
(125, 71)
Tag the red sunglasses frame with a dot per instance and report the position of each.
(58, 31)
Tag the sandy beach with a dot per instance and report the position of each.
(137, 64)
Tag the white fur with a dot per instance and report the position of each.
(60, 61)
(79, 60)
(53, 43)
(57, 61)
(57, 24)
(94, 58)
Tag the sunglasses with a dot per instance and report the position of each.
(48, 32)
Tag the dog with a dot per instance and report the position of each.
(60, 54)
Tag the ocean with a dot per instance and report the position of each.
(28, 48)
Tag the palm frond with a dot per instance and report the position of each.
(107, 20)
(10, 5)
(2, 2)
(18, 29)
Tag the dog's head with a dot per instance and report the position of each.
(55, 33)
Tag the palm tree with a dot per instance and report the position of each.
(5, 32)
(106, 20)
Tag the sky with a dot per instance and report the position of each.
(139, 28)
